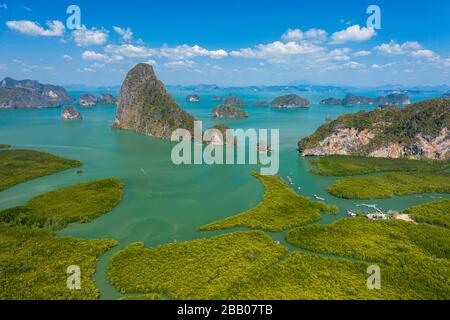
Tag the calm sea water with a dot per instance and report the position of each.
(163, 202)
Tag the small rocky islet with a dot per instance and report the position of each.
(290, 101)
(70, 113)
(228, 111)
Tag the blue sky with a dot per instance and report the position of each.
(228, 42)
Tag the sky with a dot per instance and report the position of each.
(228, 43)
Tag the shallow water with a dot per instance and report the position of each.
(163, 202)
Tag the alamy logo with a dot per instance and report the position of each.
(74, 280)
(74, 20)
(374, 280)
(234, 146)
(374, 20)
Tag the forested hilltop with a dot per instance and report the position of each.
(419, 130)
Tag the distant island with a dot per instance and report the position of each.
(228, 111)
(234, 101)
(90, 100)
(87, 100)
(147, 108)
(352, 100)
(289, 101)
(419, 130)
(106, 98)
(31, 94)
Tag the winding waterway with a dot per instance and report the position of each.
(163, 202)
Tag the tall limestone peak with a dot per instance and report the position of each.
(147, 108)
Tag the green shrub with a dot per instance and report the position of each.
(392, 184)
(17, 166)
(437, 213)
(280, 209)
(77, 203)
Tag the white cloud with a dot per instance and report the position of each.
(176, 53)
(86, 70)
(276, 50)
(151, 62)
(414, 45)
(87, 37)
(55, 28)
(184, 51)
(313, 34)
(411, 48)
(67, 57)
(130, 51)
(97, 65)
(382, 66)
(216, 67)
(340, 54)
(353, 33)
(95, 56)
(27, 8)
(180, 64)
(92, 55)
(126, 34)
(362, 53)
(424, 53)
(391, 48)
(3, 66)
(354, 65)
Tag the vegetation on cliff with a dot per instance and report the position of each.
(393, 125)
(281, 208)
(147, 108)
(17, 166)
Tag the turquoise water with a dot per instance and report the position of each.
(164, 202)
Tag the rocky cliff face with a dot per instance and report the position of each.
(30, 94)
(418, 131)
(70, 113)
(145, 106)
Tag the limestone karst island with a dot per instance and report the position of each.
(136, 138)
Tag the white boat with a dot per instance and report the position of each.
(319, 198)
